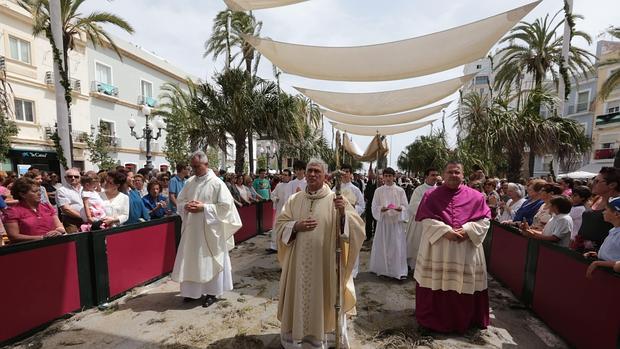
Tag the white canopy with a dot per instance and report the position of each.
(382, 130)
(385, 102)
(383, 120)
(396, 60)
(248, 5)
(376, 149)
(578, 175)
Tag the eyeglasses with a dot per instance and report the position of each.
(69, 176)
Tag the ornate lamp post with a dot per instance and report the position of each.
(147, 133)
(269, 152)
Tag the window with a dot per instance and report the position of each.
(482, 80)
(607, 141)
(24, 110)
(583, 100)
(478, 66)
(146, 88)
(20, 49)
(106, 128)
(613, 107)
(103, 73)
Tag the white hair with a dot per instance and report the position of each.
(518, 188)
(317, 162)
(201, 156)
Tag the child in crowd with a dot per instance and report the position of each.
(93, 211)
(559, 227)
(580, 196)
(609, 253)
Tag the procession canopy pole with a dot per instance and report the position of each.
(340, 230)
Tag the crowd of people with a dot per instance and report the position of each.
(432, 226)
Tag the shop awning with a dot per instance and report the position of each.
(248, 5)
(396, 60)
(381, 130)
(385, 102)
(383, 120)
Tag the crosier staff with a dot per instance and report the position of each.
(340, 230)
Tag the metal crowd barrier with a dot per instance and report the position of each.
(551, 281)
(48, 279)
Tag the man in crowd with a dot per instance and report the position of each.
(354, 197)
(389, 247)
(299, 183)
(176, 185)
(279, 196)
(369, 193)
(307, 234)
(414, 229)
(69, 201)
(261, 185)
(451, 274)
(210, 219)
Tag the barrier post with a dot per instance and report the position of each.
(100, 267)
(259, 218)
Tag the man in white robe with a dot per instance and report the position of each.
(279, 196)
(210, 219)
(299, 183)
(354, 196)
(414, 229)
(307, 231)
(389, 247)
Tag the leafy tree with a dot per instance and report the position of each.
(613, 81)
(99, 148)
(424, 152)
(214, 158)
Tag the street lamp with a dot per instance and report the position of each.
(147, 132)
(268, 152)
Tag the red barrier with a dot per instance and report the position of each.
(586, 313)
(508, 258)
(269, 215)
(250, 224)
(139, 255)
(39, 285)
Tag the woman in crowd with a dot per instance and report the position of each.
(515, 193)
(567, 185)
(240, 192)
(4, 191)
(30, 219)
(154, 201)
(544, 212)
(164, 179)
(254, 196)
(491, 195)
(609, 253)
(559, 227)
(531, 206)
(580, 196)
(115, 203)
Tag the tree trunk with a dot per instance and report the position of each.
(239, 152)
(515, 161)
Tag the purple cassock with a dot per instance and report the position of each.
(450, 311)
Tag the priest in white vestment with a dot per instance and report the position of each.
(388, 256)
(354, 196)
(414, 229)
(279, 196)
(450, 272)
(307, 231)
(210, 219)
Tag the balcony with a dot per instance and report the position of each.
(79, 136)
(149, 101)
(76, 84)
(604, 154)
(607, 119)
(105, 89)
(2, 63)
(111, 140)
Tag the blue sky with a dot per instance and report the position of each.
(176, 30)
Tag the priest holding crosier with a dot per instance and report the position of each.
(307, 231)
(450, 271)
(210, 219)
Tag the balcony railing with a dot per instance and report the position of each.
(76, 84)
(602, 154)
(111, 140)
(608, 119)
(103, 88)
(145, 100)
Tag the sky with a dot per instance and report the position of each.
(177, 30)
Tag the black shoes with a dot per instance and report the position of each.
(208, 301)
(271, 251)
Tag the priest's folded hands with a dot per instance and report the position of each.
(194, 206)
(458, 235)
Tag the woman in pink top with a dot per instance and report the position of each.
(30, 219)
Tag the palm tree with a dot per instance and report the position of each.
(74, 24)
(494, 128)
(424, 152)
(535, 48)
(613, 81)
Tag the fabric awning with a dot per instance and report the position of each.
(385, 102)
(248, 5)
(376, 149)
(383, 120)
(396, 60)
(382, 130)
